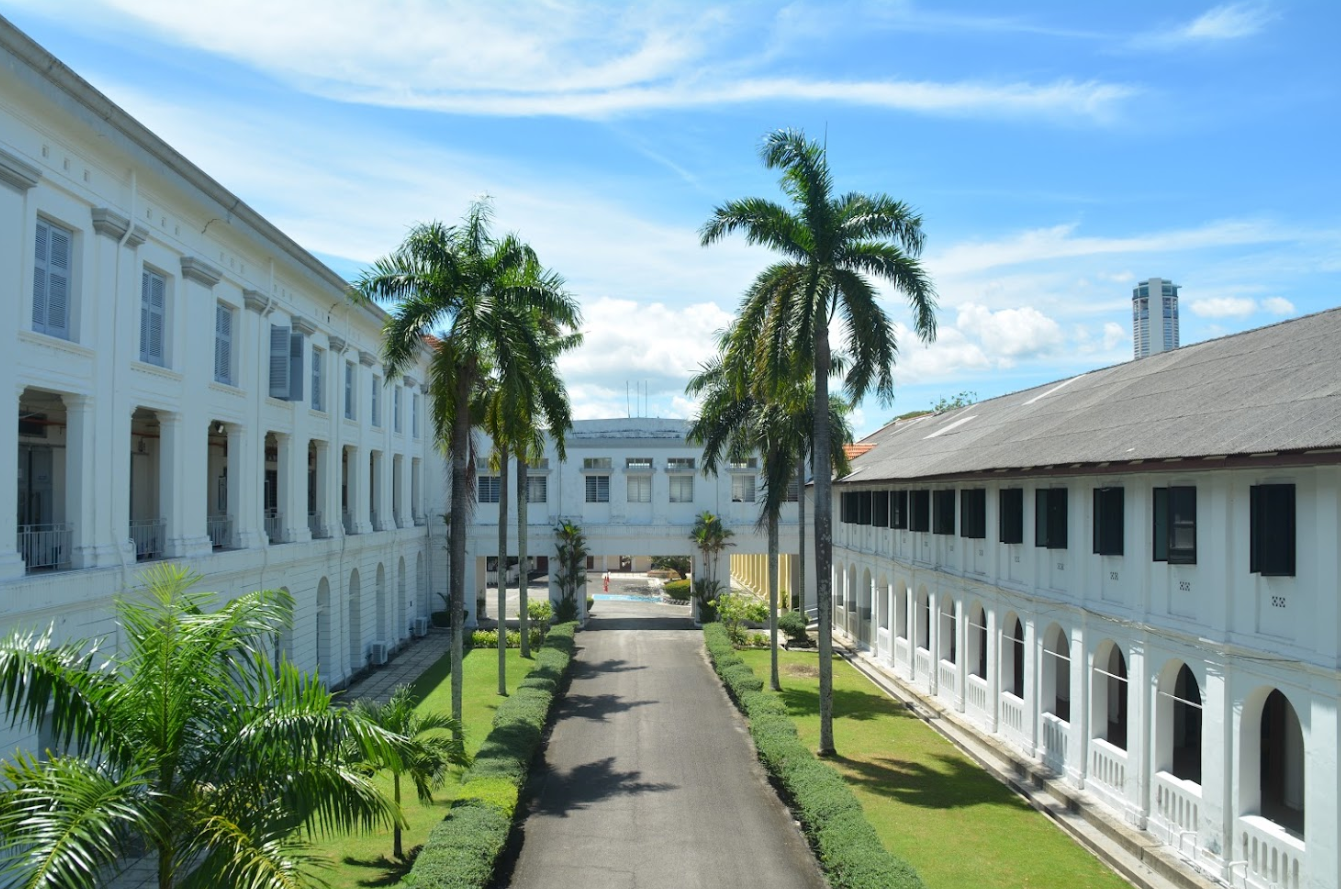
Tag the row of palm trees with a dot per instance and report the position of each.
(767, 391)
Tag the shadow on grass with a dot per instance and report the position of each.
(596, 708)
(589, 783)
(437, 674)
(803, 703)
(939, 782)
(383, 871)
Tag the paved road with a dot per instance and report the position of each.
(650, 778)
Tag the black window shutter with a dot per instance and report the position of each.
(1159, 513)
(1041, 517)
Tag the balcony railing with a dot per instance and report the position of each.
(1272, 856)
(977, 695)
(1012, 719)
(274, 525)
(1177, 807)
(901, 652)
(946, 678)
(316, 525)
(148, 535)
(1056, 738)
(922, 670)
(1108, 771)
(220, 530)
(46, 547)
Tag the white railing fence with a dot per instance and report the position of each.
(147, 535)
(1271, 857)
(46, 546)
(220, 529)
(977, 695)
(1056, 737)
(1177, 809)
(947, 678)
(1108, 772)
(274, 525)
(923, 669)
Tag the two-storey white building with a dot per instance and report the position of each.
(1131, 577)
(635, 486)
(188, 383)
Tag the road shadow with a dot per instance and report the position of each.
(596, 708)
(590, 783)
(609, 665)
(639, 623)
(952, 784)
(382, 870)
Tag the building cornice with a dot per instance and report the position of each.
(367, 359)
(336, 343)
(17, 173)
(111, 224)
(303, 326)
(201, 272)
(254, 301)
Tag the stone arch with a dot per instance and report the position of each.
(1178, 721)
(901, 610)
(1013, 674)
(922, 619)
(976, 640)
(947, 631)
(1056, 692)
(882, 603)
(325, 650)
(1109, 694)
(1271, 759)
(357, 661)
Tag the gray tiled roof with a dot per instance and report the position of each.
(1276, 388)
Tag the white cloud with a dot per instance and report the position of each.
(1278, 305)
(1010, 334)
(1114, 335)
(1230, 21)
(1222, 307)
(577, 59)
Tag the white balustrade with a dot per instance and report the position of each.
(1012, 719)
(923, 669)
(1108, 772)
(947, 678)
(977, 695)
(46, 546)
(1056, 736)
(1177, 808)
(1272, 857)
(901, 652)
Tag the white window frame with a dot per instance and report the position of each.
(678, 482)
(639, 488)
(376, 407)
(593, 491)
(351, 391)
(395, 409)
(740, 493)
(537, 489)
(487, 488)
(53, 276)
(414, 414)
(318, 378)
(151, 351)
(224, 317)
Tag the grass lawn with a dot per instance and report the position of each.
(929, 803)
(358, 860)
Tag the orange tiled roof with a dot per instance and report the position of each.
(856, 450)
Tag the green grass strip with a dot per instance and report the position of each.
(845, 843)
(462, 851)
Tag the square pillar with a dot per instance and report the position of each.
(358, 490)
(11, 563)
(328, 506)
(293, 487)
(86, 535)
(993, 676)
(186, 533)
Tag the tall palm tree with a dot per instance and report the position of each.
(432, 745)
(189, 739)
(710, 537)
(466, 289)
(831, 245)
(735, 421)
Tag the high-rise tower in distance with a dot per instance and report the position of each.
(1154, 317)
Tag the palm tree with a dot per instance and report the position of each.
(571, 546)
(469, 291)
(830, 245)
(710, 537)
(432, 745)
(188, 739)
(736, 422)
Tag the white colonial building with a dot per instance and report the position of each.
(635, 486)
(1130, 577)
(187, 383)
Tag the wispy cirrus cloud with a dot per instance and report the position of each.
(587, 60)
(1228, 22)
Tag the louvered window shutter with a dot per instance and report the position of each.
(349, 391)
(297, 346)
(316, 379)
(223, 344)
(376, 406)
(40, 279)
(152, 305)
(51, 280)
(279, 361)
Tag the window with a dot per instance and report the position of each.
(898, 509)
(1010, 506)
(414, 414)
(681, 489)
(349, 390)
(640, 489)
(943, 512)
(673, 463)
(973, 513)
(286, 363)
(1050, 518)
(595, 462)
(153, 310)
(1108, 509)
(488, 487)
(742, 489)
(1175, 525)
(919, 510)
(318, 370)
(598, 489)
(748, 463)
(375, 406)
(880, 509)
(223, 343)
(638, 463)
(793, 492)
(863, 507)
(847, 507)
(537, 489)
(51, 280)
(1271, 524)
(395, 409)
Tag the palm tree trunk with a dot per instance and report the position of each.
(522, 579)
(502, 569)
(775, 684)
(166, 865)
(799, 594)
(824, 538)
(460, 503)
(397, 848)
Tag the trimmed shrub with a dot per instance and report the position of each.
(489, 638)
(462, 850)
(793, 626)
(844, 841)
(677, 589)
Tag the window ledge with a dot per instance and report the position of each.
(156, 371)
(318, 412)
(227, 389)
(55, 342)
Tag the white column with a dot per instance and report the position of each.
(933, 641)
(11, 563)
(993, 676)
(79, 499)
(1077, 761)
(1218, 753)
(358, 490)
(1140, 733)
(328, 507)
(245, 465)
(961, 652)
(1033, 683)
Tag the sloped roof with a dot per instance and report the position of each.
(855, 450)
(1274, 389)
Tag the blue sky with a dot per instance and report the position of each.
(1058, 153)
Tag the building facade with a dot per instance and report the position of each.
(1154, 317)
(635, 486)
(189, 384)
(1131, 578)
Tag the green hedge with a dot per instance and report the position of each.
(462, 850)
(677, 590)
(844, 841)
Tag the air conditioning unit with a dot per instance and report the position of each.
(420, 627)
(377, 653)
